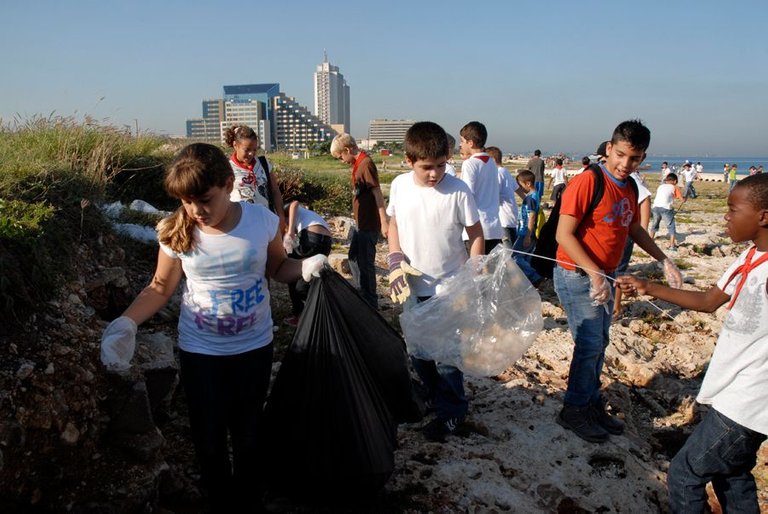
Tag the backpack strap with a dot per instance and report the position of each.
(265, 165)
(597, 171)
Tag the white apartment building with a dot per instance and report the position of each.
(331, 95)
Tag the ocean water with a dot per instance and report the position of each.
(711, 164)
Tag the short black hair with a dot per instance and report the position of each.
(585, 161)
(670, 176)
(757, 189)
(537, 152)
(632, 132)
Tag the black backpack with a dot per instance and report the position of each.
(265, 165)
(546, 246)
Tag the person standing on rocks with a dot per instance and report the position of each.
(227, 250)
(536, 166)
(369, 211)
(429, 211)
(588, 253)
(723, 448)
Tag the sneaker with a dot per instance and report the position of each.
(579, 420)
(611, 424)
(437, 429)
(293, 321)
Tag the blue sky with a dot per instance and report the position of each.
(555, 75)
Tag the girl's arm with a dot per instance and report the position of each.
(704, 301)
(293, 208)
(277, 200)
(153, 297)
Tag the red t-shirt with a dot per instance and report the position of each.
(604, 234)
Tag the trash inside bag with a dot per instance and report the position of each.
(343, 385)
(481, 320)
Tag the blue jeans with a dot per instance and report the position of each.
(690, 191)
(731, 184)
(589, 326)
(444, 385)
(362, 256)
(722, 452)
(524, 261)
(629, 246)
(668, 215)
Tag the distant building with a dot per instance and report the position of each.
(296, 127)
(281, 122)
(207, 128)
(331, 95)
(388, 131)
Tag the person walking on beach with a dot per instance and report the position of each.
(588, 252)
(254, 180)
(663, 208)
(665, 170)
(723, 447)
(429, 211)
(480, 173)
(732, 177)
(726, 171)
(559, 180)
(689, 176)
(226, 250)
(369, 211)
(537, 165)
(585, 162)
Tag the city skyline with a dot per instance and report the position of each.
(558, 76)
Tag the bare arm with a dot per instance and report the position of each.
(394, 236)
(153, 297)
(645, 213)
(277, 200)
(382, 208)
(293, 208)
(476, 240)
(704, 301)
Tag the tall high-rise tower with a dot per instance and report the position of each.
(331, 96)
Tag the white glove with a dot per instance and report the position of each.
(600, 292)
(672, 274)
(118, 343)
(290, 242)
(311, 266)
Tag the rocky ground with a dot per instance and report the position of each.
(60, 449)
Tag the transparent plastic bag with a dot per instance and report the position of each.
(481, 320)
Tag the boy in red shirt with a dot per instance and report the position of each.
(590, 247)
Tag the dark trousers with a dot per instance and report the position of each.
(225, 397)
(444, 385)
(310, 244)
(362, 258)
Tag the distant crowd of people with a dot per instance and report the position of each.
(233, 233)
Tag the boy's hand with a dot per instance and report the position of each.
(399, 290)
(599, 289)
(632, 286)
(672, 275)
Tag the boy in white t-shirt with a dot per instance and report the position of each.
(480, 173)
(429, 211)
(559, 180)
(690, 175)
(723, 447)
(507, 204)
(662, 208)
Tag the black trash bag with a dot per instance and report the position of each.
(343, 385)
